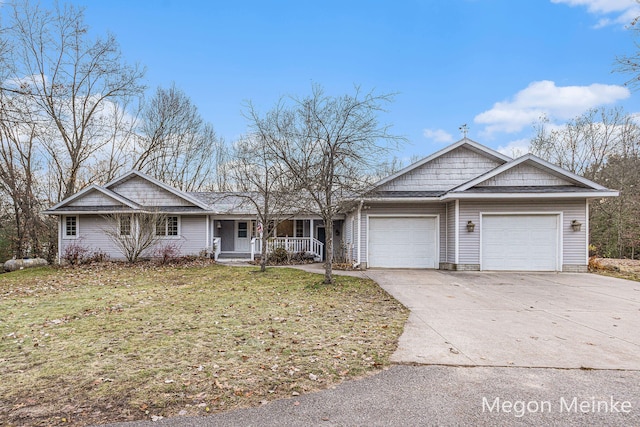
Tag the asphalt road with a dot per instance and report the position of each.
(438, 395)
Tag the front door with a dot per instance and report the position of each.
(243, 238)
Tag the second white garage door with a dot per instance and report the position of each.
(520, 242)
(403, 242)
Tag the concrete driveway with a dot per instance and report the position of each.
(516, 319)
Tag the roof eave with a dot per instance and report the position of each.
(541, 195)
(127, 210)
(97, 212)
(400, 199)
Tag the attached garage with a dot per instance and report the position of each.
(520, 242)
(403, 242)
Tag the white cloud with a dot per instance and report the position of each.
(621, 11)
(438, 135)
(516, 148)
(545, 98)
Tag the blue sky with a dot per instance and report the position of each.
(495, 65)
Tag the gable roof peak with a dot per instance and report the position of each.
(182, 194)
(537, 162)
(466, 142)
(94, 187)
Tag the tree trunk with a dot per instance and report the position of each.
(263, 255)
(328, 264)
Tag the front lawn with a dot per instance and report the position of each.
(111, 342)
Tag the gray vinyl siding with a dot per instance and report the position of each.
(443, 173)
(451, 233)
(574, 243)
(524, 175)
(346, 238)
(92, 236)
(193, 234)
(95, 198)
(148, 194)
(400, 210)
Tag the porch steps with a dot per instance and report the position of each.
(234, 255)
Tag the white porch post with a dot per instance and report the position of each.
(457, 232)
(311, 235)
(586, 230)
(207, 224)
(359, 232)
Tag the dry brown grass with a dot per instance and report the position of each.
(110, 343)
(621, 268)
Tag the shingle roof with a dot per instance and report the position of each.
(227, 201)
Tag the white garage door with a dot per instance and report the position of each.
(520, 242)
(403, 242)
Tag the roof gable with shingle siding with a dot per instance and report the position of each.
(95, 198)
(444, 172)
(147, 193)
(525, 175)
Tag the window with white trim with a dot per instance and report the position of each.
(168, 226)
(125, 225)
(299, 228)
(243, 228)
(70, 227)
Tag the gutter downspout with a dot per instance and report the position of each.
(59, 239)
(457, 232)
(357, 264)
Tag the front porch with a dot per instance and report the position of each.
(239, 238)
(304, 246)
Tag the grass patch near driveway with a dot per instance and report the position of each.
(110, 343)
(621, 268)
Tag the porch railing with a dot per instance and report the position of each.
(216, 247)
(291, 245)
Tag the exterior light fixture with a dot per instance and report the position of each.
(219, 226)
(470, 226)
(576, 225)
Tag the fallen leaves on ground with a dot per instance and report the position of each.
(112, 342)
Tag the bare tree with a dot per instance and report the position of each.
(630, 64)
(614, 222)
(330, 146)
(133, 234)
(118, 154)
(602, 145)
(177, 146)
(583, 144)
(18, 168)
(17, 176)
(264, 184)
(70, 82)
